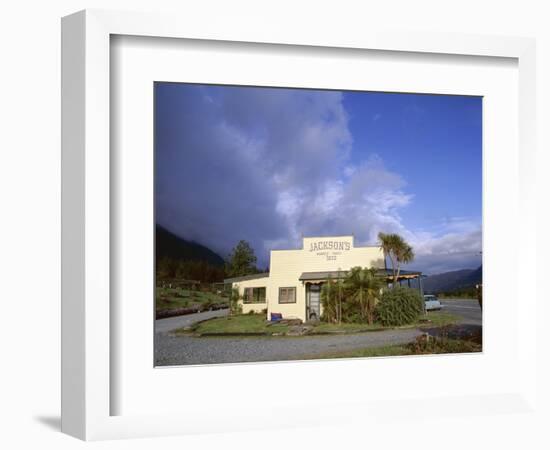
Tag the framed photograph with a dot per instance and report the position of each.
(251, 215)
(294, 188)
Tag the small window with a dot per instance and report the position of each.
(254, 295)
(287, 295)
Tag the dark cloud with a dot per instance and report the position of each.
(208, 188)
(271, 165)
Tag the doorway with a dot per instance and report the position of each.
(314, 304)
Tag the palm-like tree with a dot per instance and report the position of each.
(332, 297)
(365, 287)
(397, 249)
(404, 256)
(329, 300)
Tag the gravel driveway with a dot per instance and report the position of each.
(182, 350)
(172, 323)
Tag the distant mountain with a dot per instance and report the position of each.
(168, 245)
(451, 281)
(476, 277)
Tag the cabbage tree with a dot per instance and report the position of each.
(365, 287)
(397, 249)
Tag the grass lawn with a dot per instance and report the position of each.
(434, 347)
(172, 298)
(323, 327)
(436, 319)
(240, 324)
(386, 350)
(431, 319)
(256, 323)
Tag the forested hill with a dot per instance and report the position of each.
(168, 245)
(453, 281)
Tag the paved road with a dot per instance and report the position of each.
(468, 310)
(183, 350)
(173, 323)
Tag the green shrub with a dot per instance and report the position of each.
(351, 316)
(399, 306)
(234, 306)
(426, 344)
(206, 305)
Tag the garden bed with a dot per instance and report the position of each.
(257, 325)
(172, 302)
(449, 339)
(435, 346)
(238, 325)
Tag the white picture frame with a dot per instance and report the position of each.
(87, 355)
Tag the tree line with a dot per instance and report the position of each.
(242, 261)
(170, 269)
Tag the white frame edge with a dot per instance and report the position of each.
(72, 225)
(86, 173)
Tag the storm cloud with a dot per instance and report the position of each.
(272, 165)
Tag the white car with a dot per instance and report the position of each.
(432, 303)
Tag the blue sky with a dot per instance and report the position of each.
(270, 165)
(433, 141)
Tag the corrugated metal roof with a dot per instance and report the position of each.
(307, 276)
(335, 274)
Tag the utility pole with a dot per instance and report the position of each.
(339, 298)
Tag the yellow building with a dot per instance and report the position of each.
(293, 285)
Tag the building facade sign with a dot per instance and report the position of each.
(330, 249)
(286, 293)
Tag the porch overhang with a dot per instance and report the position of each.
(313, 277)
